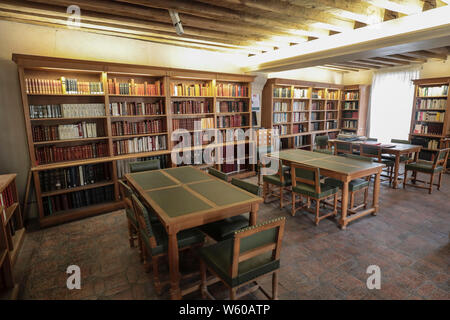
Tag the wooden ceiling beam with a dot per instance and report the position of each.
(384, 59)
(376, 63)
(426, 54)
(335, 66)
(352, 65)
(406, 7)
(403, 57)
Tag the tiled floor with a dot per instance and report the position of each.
(408, 240)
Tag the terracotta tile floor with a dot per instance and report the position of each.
(408, 240)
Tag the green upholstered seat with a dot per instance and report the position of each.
(219, 257)
(372, 139)
(147, 165)
(391, 157)
(353, 185)
(310, 191)
(218, 174)
(250, 187)
(326, 151)
(388, 163)
(358, 157)
(423, 166)
(399, 141)
(321, 141)
(275, 179)
(224, 229)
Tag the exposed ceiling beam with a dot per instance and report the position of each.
(374, 63)
(402, 57)
(426, 54)
(402, 6)
(384, 59)
(350, 65)
(334, 66)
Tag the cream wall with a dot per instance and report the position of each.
(310, 74)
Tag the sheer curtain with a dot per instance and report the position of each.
(391, 103)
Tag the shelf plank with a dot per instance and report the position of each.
(65, 95)
(75, 189)
(139, 135)
(133, 96)
(17, 238)
(9, 212)
(70, 140)
(139, 116)
(64, 164)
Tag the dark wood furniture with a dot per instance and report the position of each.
(354, 109)
(280, 180)
(185, 198)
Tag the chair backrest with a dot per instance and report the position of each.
(263, 137)
(441, 158)
(358, 157)
(143, 219)
(305, 174)
(147, 165)
(125, 194)
(250, 187)
(368, 150)
(256, 241)
(372, 139)
(399, 141)
(321, 141)
(343, 147)
(218, 174)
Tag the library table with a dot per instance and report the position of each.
(397, 149)
(341, 168)
(186, 197)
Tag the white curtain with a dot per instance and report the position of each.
(391, 103)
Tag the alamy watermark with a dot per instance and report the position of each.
(74, 18)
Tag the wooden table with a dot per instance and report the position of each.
(186, 197)
(341, 168)
(398, 150)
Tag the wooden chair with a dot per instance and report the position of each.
(321, 144)
(306, 183)
(281, 179)
(263, 146)
(224, 229)
(155, 241)
(125, 195)
(147, 165)
(343, 147)
(403, 158)
(218, 174)
(374, 152)
(252, 253)
(428, 167)
(354, 186)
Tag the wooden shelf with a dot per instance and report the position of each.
(133, 96)
(191, 115)
(70, 140)
(231, 97)
(17, 238)
(140, 155)
(10, 211)
(63, 164)
(75, 189)
(232, 113)
(141, 116)
(68, 119)
(139, 135)
(65, 95)
(3, 254)
(427, 135)
(431, 97)
(196, 97)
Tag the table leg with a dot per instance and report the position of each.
(254, 214)
(396, 169)
(175, 293)
(376, 193)
(344, 205)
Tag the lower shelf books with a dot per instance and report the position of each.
(49, 154)
(231, 106)
(332, 124)
(121, 128)
(349, 124)
(66, 131)
(191, 106)
(142, 144)
(300, 141)
(6, 200)
(136, 108)
(297, 128)
(232, 168)
(72, 177)
(429, 128)
(124, 168)
(281, 129)
(67, 110)
(193, 124)
(232, 121)
(74, 200)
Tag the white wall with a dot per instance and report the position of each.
(310, 74)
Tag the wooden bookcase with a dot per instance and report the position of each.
(300, 110)
(109, 97)
(12, 233)
(430, 120)
(354, 108)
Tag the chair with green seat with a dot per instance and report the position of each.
(373, 151)
(224, 229)
(354, 186)
(251, 253)
(403, 157)
(343, 147)
(281, 179)
(125, 195)
(147, 165)
(260, 152)
(218, 174)
(306, 183)
(155, 242)
(321, 143)
(427, 167)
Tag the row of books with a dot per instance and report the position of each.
(232, 121)
(281, 129)
(62, 86)
(136, 108)
(318, 94)
(231, 90)
(191, 90)
(66, 131)
(299, 116)
(191, 106)
(300, 93)
(300, 106)
(135, 89)
(232, 106)
(300, 141)
(280, 106)
(282, 92)
(193, 124)
(425, 142)
(123, 165)
(317, 116)
(430, 116)
(433, 91)
(142, 144)
(349, 124)
(317, 105)
(231, 168)
(350, 114)
(332, 95)
(350, 105)
(74, 200)
(72, 177)
(280, 117)
(50, 154)
(67, 110)
(332, 115)
(352, 95)
(331, 105)
(316, 126)
(6, 199)
(431, 103)
(331, 125)
(121, 128)
(297, 128)
(428, 128)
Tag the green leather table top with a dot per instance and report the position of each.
(187, 174)
(222, 194)
(152, 179)
(397, 147)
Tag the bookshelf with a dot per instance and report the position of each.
(430, 123)
(355, 104)
(300, 110)
(86, 120)
(12, 234)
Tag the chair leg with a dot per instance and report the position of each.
(232, 293)
(275, 285)
(265, 186)
(203, 279)
(130, 234)
(431, 184)
(156, 281)
(281, 197)
(440, 179)
(293, 204)
(317, 212)
(366, 195)
(405, 178)
(352, 200)
(335, 204)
